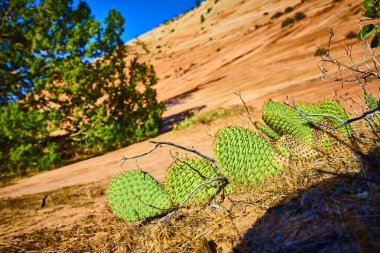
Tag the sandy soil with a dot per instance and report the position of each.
(238, 48)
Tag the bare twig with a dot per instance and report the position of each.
(249, 116)
(306, 116)
(160, 143)
(191, 150)
(175, 209)
(177, 160)
(137, 156)
(356, 73)
(246, 108)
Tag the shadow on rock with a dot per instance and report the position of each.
(180, 99)
(169, 121)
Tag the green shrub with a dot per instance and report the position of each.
(24, 140)
(202, 118)
(288, 9)
(320, 52)
(351, 35)
(276, 15)
(287, 22)
(202, 18)
(299, 15)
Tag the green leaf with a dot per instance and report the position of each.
(375, 43)
(368, 4)
(366, 31)
(371, 9)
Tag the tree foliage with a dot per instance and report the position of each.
(371, 11)
(62, 71)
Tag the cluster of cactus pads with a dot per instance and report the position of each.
(242, 156)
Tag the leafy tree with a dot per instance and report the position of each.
(371, 11)
(62, 66)
(24, 134)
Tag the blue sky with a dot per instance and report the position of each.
(140, 15)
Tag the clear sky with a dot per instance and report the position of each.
(140, 15)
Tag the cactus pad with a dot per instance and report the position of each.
(294, 148)
(330, 142)
(370, 100)
(332, 107)
(284, 122)
(243, 156)
(184, 175)
(267, 130)
(135, 195)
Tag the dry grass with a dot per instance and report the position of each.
(206, 117)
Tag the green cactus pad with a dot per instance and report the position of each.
(370, 100)
(135, 195)
(283, 120)
(372, 103)
(184, 175)
(273, 106)
(243, 156)
(332, 107)
(308, 108)
(267, 130)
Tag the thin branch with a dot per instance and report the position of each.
(171, 214)
(304, 115)
(191, 150)
(249, 116)
(177, 160)
(246, 108)
(137, 156)
(160, 143)
(152, 206)
(358, 75)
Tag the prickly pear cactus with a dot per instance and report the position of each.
(135, 195)
(370, 100)
(295, 149)
(267, 130)
(184, 175)
(309, 108)
(330, 142)
(372, 103)
(283, 121)
(244, 156)
(332, 107)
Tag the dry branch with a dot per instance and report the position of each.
(306, 116)
(211, 180)
(160, 143)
